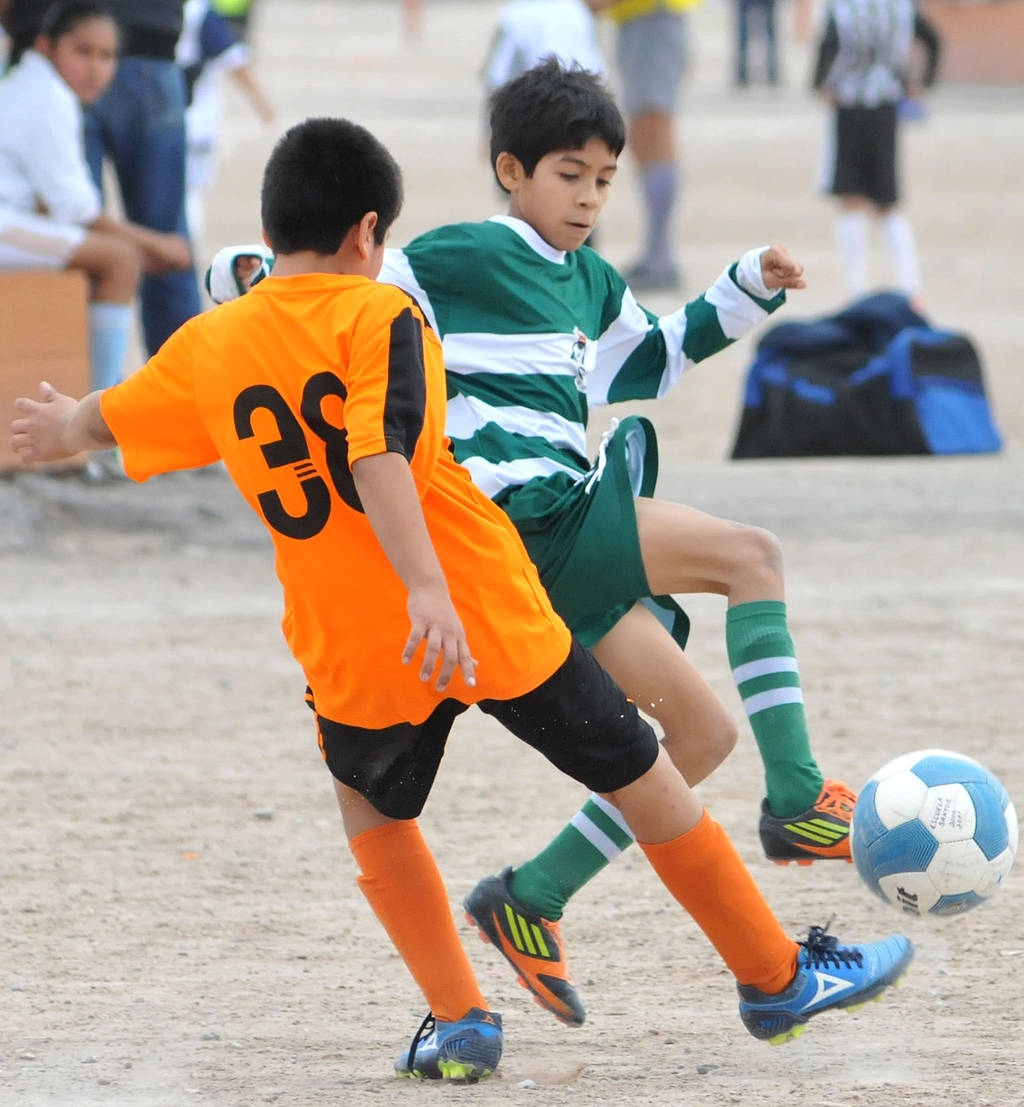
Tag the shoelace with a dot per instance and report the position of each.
(426, 1029)
(823, 949)
(838, 799)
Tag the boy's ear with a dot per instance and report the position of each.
(363, 236)
(509, 171)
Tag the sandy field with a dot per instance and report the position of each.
(179, 921)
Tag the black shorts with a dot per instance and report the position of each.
(579, 719)
(865, 154)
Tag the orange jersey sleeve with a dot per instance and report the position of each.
(291, 384)
(165, 430)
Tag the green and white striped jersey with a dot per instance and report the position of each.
(533, 336)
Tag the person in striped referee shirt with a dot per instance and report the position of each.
(864, 70)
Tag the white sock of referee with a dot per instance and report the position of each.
(852, 237)
(900, 236)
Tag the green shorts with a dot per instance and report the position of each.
(582, 535)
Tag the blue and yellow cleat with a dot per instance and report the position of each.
(828, 975)
(467, 1049)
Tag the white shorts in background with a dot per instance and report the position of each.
(30, 241)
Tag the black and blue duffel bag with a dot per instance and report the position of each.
(875, 378)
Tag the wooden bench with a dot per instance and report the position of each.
(44, 335)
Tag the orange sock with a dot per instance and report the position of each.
(401, 880)
(702, 869)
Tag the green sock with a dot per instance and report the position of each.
(764, 667)
(595, 835)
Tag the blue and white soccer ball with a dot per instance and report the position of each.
(933, 833)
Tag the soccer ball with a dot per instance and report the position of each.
(933, 833)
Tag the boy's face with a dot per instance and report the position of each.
(565, 195)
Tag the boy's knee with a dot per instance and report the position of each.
(697, 751)
(761, 550)
(717, 738)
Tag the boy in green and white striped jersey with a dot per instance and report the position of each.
(537, 327)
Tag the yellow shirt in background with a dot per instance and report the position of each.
(630, 9)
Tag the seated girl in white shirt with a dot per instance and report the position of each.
(50, 210)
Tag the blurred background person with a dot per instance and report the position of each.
(755, 25)
(238, 14)
(50, 209)
(863, 71)
(139, 124)
(651, 48)
(208, 50)
(527, 30)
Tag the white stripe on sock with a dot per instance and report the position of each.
(764, 667)
(595, 836)
(774, 697)
(612, 812)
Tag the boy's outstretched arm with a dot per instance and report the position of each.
(56, 427)
(389, 497)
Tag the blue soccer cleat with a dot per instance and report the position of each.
(828, 975)
(466, 1049)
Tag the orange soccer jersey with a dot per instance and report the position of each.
(290, 385)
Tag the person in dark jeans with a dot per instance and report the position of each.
(755, 22)
(140, 125)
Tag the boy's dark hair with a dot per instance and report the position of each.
(62, 18)
(323, 176)
(551, 108)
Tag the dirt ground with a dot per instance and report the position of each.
(179, 918)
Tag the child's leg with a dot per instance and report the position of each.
(700, 867)
(781, 983)
(581, 721)
(853, 233)
(648, 665)
(900, 236)
(685, 550)
(113, 266)
(399, 877)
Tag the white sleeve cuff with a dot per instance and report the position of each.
(748, 275)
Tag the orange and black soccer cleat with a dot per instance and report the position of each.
(821, 832)
(531, 944)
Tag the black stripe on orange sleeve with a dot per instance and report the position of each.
(406, 399)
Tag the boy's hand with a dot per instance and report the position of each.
(780, 270)
(435, 621)
(38, 433)
(235, 269)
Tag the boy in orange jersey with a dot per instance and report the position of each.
(328, 408)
